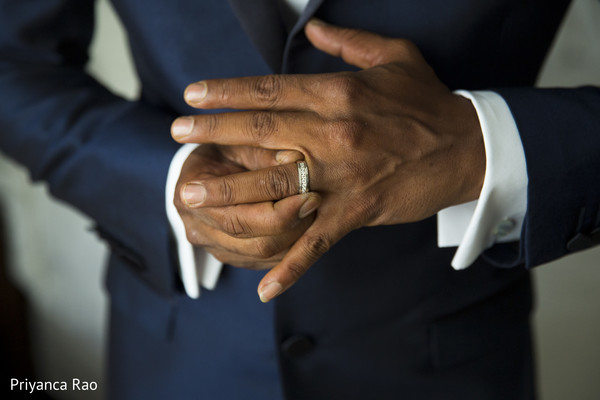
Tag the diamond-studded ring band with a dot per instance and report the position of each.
(303, 179)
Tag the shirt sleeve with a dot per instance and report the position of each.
(497, 216)
(197, 267)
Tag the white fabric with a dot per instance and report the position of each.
(196, 265)
(474, 226)
(297, 5)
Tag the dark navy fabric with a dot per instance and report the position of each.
(562, 148)
(382, 315)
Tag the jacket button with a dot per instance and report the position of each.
(297, 346)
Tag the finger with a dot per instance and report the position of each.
(266, 129)
(240, 261)
(253, 158)
(315, 242)
(262, 219)
(205, 162)
(288, 156)
(359, 48)
(278, 92)
(274, 183)
(259, 248)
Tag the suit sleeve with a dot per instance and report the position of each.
(560, 132)
(106, 156)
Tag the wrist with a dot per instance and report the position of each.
(471, 162)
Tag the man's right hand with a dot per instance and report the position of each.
(255, 235)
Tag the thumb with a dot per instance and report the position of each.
(253, 158)
(356, 47)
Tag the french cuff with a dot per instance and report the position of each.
(497, 216)
(197, 267)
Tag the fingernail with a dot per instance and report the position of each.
(317, 22)
(196, 92)
(286, 156)
(182, 127)
(269, 291)
(309, 206)
(281, 157)
(194, 194)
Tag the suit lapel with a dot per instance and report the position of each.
(263, 25)
(309, 11)
(262, 22)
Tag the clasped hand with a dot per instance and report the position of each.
(388, 144)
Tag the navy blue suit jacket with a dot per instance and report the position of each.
(382, 315)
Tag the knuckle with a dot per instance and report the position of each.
(226, 92)
(345, 90)
(236, 226)
(266, 248)
(349, 34)
(194, 236)
(347, 133)
(225, 189)
(316, 245)
(211, 124)
(296, 270)
(278, 184)
(267, 89)
(366, 208)
(262, 125)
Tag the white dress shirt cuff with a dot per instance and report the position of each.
(499, 213)
(197, 267)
